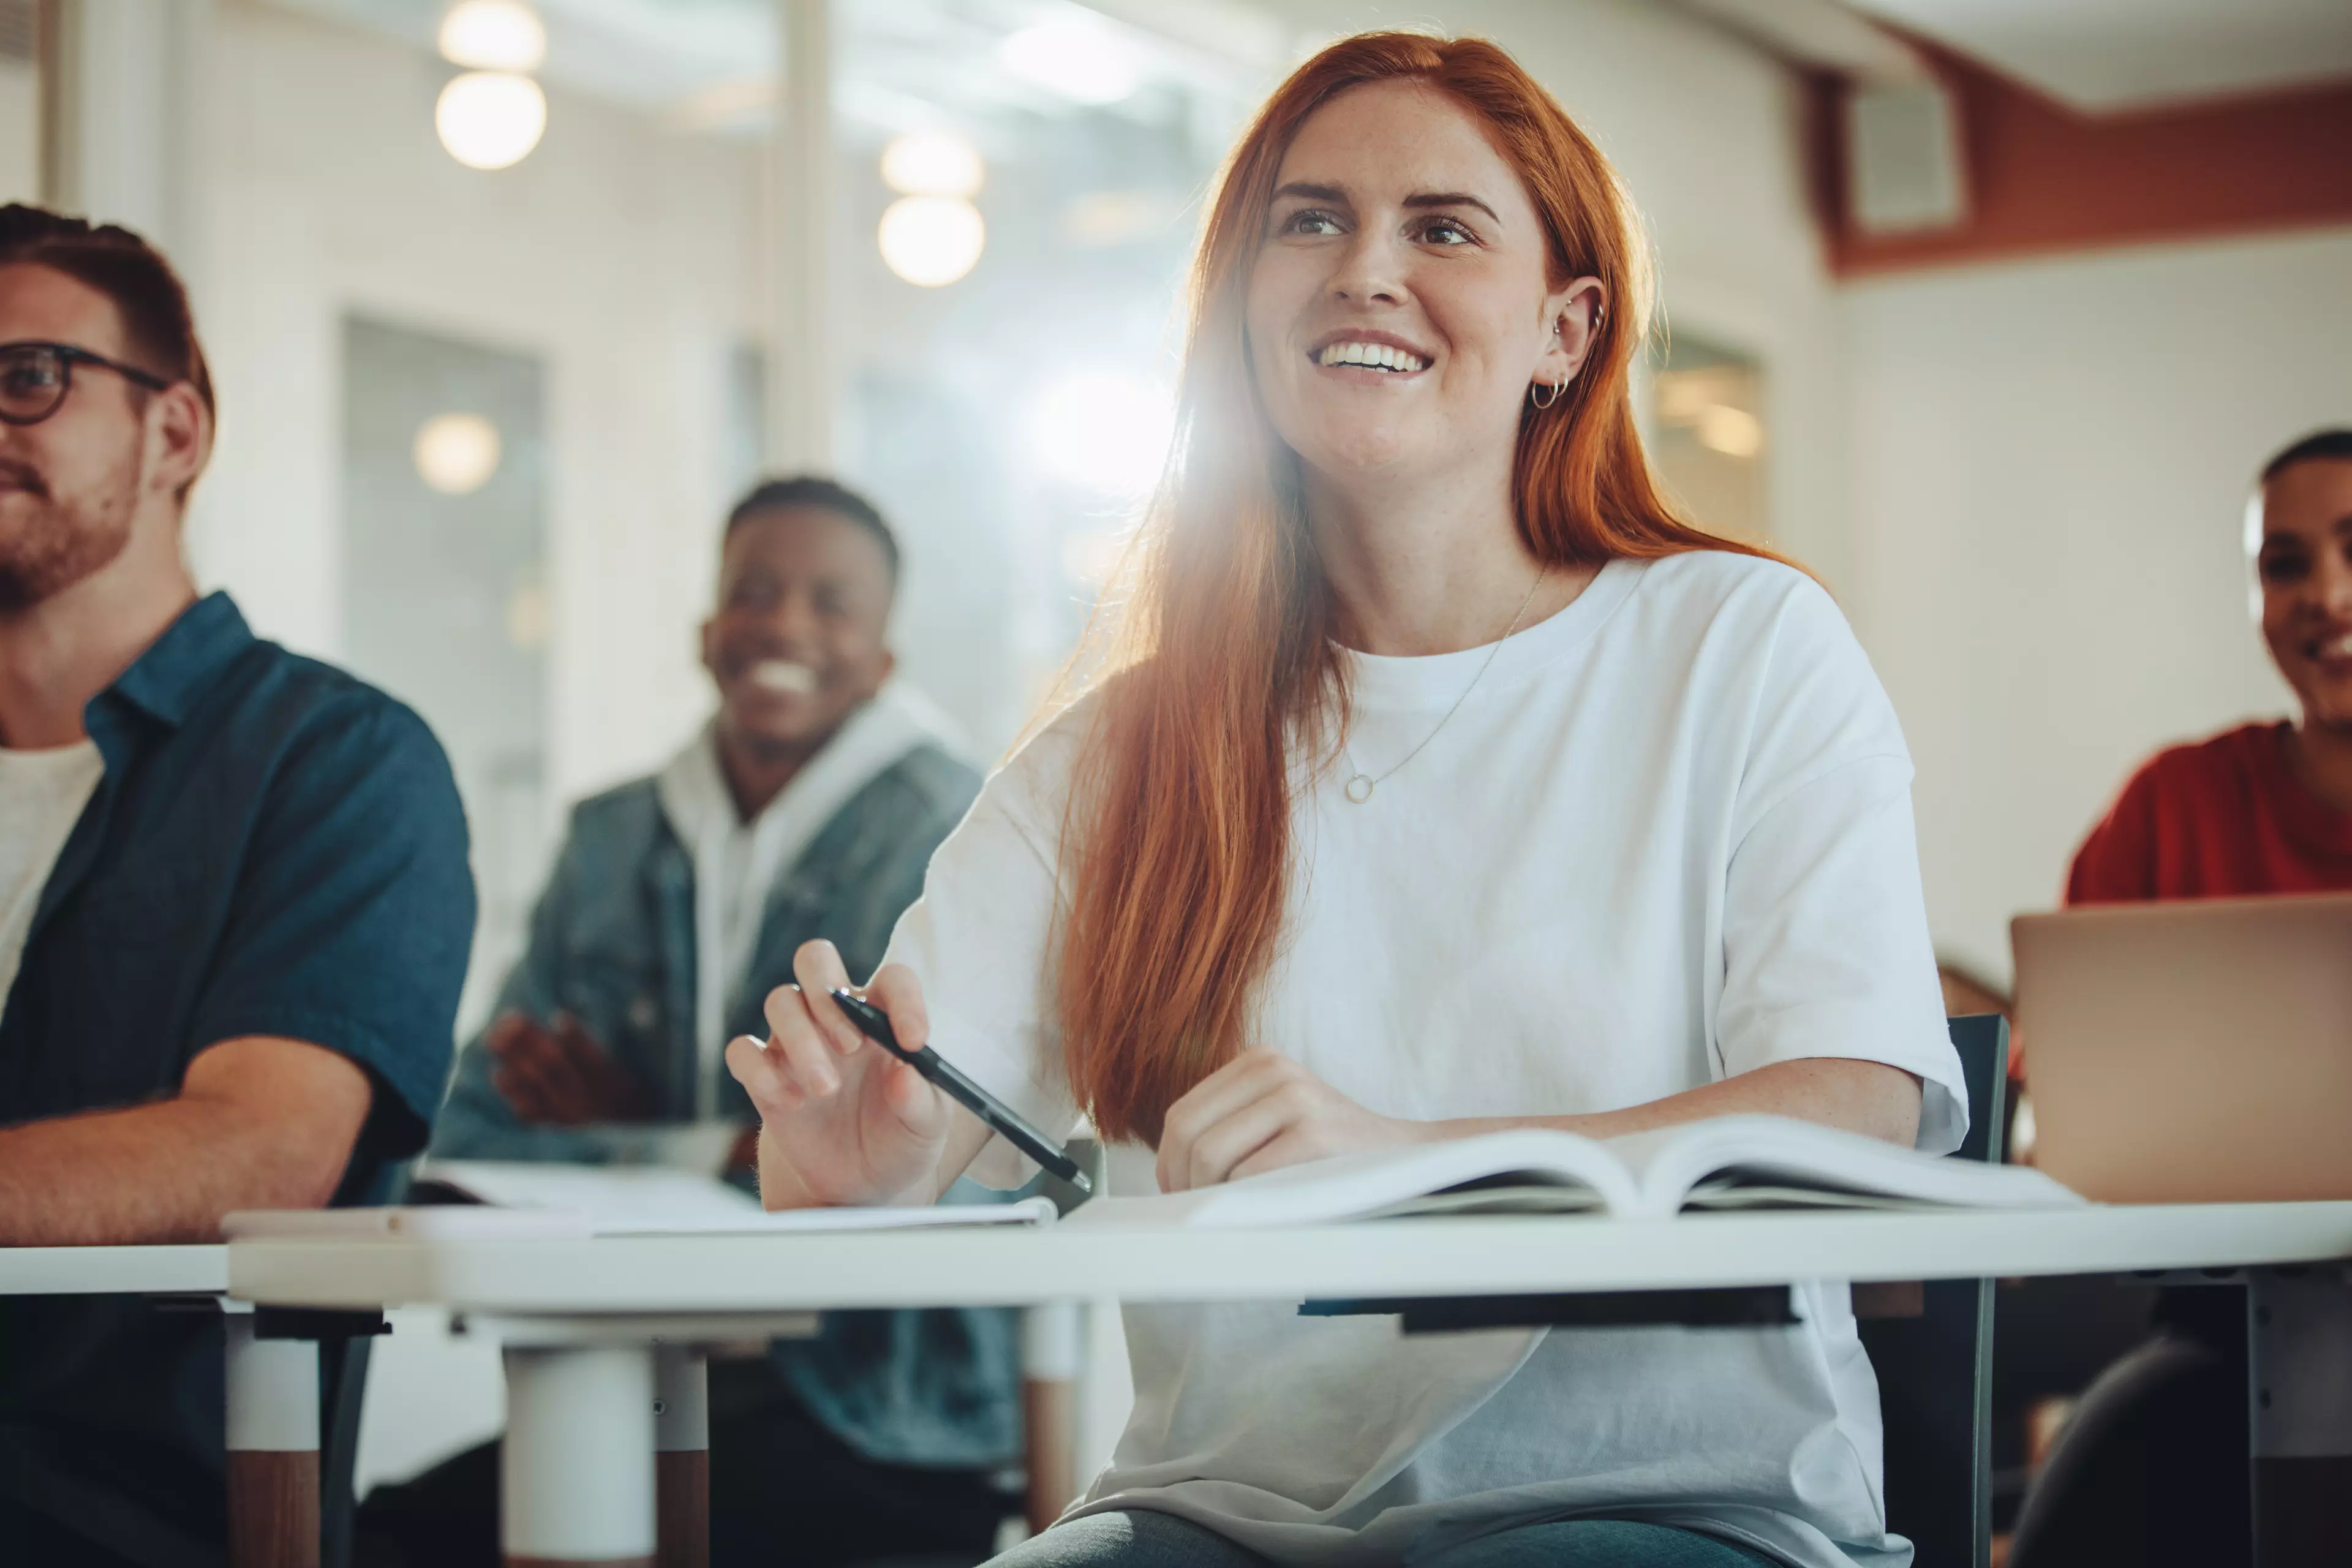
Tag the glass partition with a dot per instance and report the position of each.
(592, 188)
(1019, 182)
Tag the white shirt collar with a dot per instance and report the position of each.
(737, 864)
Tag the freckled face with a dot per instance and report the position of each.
(1399, 305)
(2304, 561)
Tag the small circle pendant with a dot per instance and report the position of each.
(1360, 788)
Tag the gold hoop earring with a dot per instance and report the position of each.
(1557, 388)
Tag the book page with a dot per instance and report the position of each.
(652, 1201)
(1025, 1212)
(481, 1222)
(1389, 1183)
(648, 1196)
(1732, 1151)
(439, 1222)
(1504, 1196)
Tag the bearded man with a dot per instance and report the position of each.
(234, 906)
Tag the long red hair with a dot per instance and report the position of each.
(1218, 673)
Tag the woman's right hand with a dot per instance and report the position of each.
(842, 1121)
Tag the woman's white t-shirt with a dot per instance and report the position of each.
(1666, 839)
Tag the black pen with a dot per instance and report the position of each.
(875, 1024)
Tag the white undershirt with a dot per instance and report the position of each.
(41, 798)
(737, 864)
(1666, 839)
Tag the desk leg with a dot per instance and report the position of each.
(681, 1458)
(273, 1450)
(576, 1481)
(1051, 1352)
(2300, 1342)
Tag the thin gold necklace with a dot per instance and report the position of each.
(1359, 787)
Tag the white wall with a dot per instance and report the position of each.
(620, 254)
(20, 131)
(2050, 465)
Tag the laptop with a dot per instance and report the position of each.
(2192, 1051)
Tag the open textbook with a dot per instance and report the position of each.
(1727, 1163)
(488, 1200)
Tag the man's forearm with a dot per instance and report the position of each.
(154, 1173)
(261, 1123)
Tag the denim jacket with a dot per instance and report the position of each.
(613, 942)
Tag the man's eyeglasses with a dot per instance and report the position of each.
(35, 378)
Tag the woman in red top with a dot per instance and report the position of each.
(2152, 1467)
(2266, 808)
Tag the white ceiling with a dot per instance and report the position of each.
(2130, 53)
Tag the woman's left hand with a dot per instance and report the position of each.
(1262, 1111)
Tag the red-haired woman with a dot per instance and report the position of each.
(1444, 781)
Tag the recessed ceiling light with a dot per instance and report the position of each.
(1734, 432)
(455, 453)
(493, 35)
(490, 120)
(931, 241)
(932, 163)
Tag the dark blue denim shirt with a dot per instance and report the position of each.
(274, 848)
(612, 943)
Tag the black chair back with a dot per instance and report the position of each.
(1934, 1369)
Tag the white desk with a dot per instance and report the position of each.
(582, 1318)
(113, 1270)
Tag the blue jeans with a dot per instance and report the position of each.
(1141, 1539)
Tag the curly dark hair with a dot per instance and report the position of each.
(811, 489)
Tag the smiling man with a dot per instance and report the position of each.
(809, 805)
(234, 906)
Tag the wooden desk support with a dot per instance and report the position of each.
(1051, 1345)
(273, 1509)
(2299, 1340)
(681, 1458)
(273, 1450)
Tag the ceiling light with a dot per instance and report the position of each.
(931, 240)
(493, 35)
(527, 617)
(1119, 218)
(490, 120)
(1734, 432)
(1683, 396)
(1102, 431)
(932, 163)
(1077, 57)
(455, 453)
